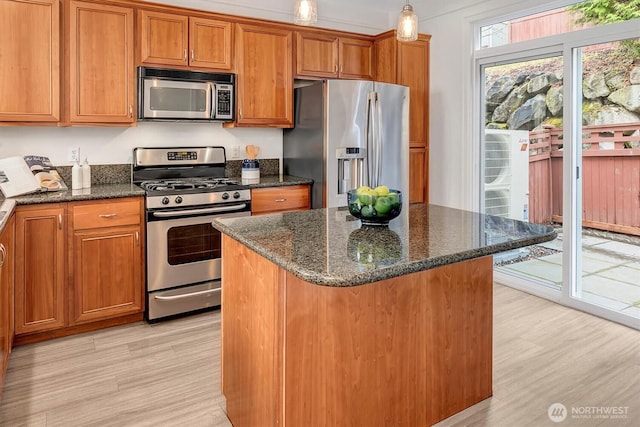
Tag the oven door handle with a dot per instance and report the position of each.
(169, 214)
(192, 294)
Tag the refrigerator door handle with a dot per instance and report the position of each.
(374, 136)
(378, 141)
(369, 139)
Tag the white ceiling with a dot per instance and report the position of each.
(363, 16)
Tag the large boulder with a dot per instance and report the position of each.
(628, 97)
(634, 76)
(615, 79)
(530, 114)
(516, 98)
(554, 100)
(500, 89)
(540, 83)
(594, 86)
(594, 114)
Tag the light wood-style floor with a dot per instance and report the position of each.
(168, 374)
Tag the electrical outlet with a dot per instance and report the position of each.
(74, 154)
(237, 152)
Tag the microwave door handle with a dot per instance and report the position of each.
(214, 101)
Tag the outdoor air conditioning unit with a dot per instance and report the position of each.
(506, 173)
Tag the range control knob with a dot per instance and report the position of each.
(236, 195)
(178, 200)
(225, 196)
(165, 201)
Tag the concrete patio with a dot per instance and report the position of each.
(611, 271)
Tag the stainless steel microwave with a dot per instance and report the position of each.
(168, 94)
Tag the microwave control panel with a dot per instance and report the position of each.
(224, 101)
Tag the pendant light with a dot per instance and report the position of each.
(305, 12)
(407, 24)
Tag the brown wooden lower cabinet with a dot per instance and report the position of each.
(70, 278)
(410, 350)
(6, 296)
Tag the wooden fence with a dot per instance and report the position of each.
(610, 177)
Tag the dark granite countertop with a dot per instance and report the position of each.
(329, 247)
(278, 181)
(96, 192)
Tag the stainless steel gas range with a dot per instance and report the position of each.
(185, 189)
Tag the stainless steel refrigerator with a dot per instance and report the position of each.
(349, 133)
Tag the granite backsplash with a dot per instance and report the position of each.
(121, 173)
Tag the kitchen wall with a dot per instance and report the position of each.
(112, 145)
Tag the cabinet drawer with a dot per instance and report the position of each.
(279, 199)
(107, 214)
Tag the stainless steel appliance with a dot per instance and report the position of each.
(166, 94)
(186, 189)
(349, 133)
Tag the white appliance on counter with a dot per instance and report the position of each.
(348, 133)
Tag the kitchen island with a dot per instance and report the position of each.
(326, 322)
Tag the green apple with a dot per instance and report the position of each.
(383, 205)
(394, 199)
(368, 211)
(368, 197)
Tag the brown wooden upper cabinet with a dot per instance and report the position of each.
(326, 55)
(101, 67)
(407, 63)
(265, 76)
(185, 41)
(29, 60)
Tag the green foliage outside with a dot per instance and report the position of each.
(601, 12)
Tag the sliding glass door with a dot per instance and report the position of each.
(559, 132)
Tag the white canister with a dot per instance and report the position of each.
(250, 171)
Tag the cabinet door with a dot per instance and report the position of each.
(211, 43)
(164, 38)
(265, 76)
(413, 71)
(29, 60)
(40, 269)
(6, 295)
(418, 175)
(316, 55)
(356, 59)
(107, 273)
(101, 67)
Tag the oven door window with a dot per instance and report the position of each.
(192, 243)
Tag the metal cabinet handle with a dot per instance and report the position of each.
(281, 200)
(60, 221)
(183, 296)
(335, 68)
(137, 238)
(341, 68)
(111, 215)
(3, 252)
(185, 55)
(193, 55)
(130, 110)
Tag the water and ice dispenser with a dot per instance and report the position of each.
(351, 168)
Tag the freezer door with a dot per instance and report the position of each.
(345, 103)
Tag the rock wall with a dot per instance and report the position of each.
(529, 101)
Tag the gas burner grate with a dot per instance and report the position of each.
(191, 184)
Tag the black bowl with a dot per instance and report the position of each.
(375, 210)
